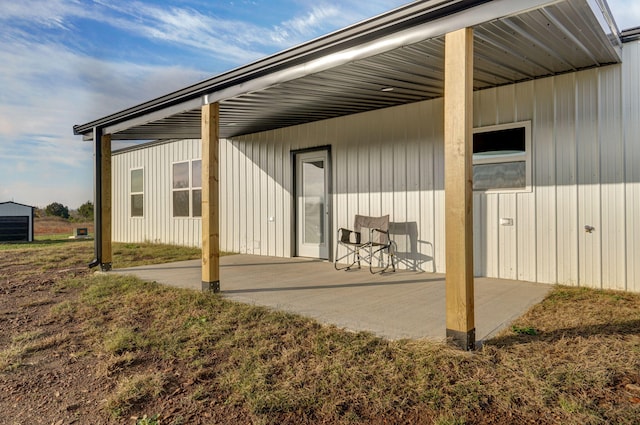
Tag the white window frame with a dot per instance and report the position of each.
(190, 188)
(519, 157)
(131, 193)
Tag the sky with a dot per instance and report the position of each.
(67, 62)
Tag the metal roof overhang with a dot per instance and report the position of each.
(392, 59)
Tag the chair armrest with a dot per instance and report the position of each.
(344, 236)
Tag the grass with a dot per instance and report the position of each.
(23, 345)
(568, 360)
(278, 365)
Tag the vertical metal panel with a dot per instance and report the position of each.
(375, 168)
(437, 138)
(631, 111)
(399, 168)
(588, 177)
(479, 234)
(224, 194)
(612, 179)
(257, 198)
(363, 164)
(262, 218)
(348, 137)
(272, 137)
(544, 180)
(428, 121)
(416, 259)
(507, 236)
(566, 191)
(386, 160)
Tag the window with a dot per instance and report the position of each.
(187, 189)
(196, 188)
(137, 192)
(502, 157)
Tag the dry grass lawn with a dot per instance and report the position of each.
(185, 357)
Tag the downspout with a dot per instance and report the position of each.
(97, 197)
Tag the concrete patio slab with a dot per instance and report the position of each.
(404, 304)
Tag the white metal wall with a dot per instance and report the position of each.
(585, 156)
(630, 207)
(157, 225)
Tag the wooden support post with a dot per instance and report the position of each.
(210, 199)
(105, 204)
(458, 151)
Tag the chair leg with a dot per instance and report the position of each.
(356, 258)
(384, 265)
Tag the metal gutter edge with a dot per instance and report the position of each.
(630, 34)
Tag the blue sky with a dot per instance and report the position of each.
(66, 62)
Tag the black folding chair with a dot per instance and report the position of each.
(368, 241)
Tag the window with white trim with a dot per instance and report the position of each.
(136, 192)
(187, 189)
(502, 157)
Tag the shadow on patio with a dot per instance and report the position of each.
(405, 304)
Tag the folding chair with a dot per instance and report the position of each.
(368, 241)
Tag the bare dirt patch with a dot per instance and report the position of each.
(44, 379)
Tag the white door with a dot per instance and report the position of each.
(312, 204)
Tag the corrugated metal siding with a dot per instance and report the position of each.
(391, 162)
(372, 174)
(157, 224)
(631, 114)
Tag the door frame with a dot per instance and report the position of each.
(294, 198)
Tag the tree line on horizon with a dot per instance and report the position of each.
(56, 209)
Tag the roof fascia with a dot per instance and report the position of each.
(631, 34)
(154, 115)
(17, 203)
(603, 14)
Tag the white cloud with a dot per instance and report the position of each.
(48, 14)
(47, 88)
(303, 27)
(626, 13)
(230, 41)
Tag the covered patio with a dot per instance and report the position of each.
(424, 50)
(404, 304)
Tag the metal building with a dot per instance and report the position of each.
(16, 222)
(502, 138)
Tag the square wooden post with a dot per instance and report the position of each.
(210, 199)
(458, 151)
(105, 202)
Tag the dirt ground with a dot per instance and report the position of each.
(58, 382)
(55, 386)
